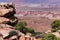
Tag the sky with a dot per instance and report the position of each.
(32, 1)
(5, 0)
(40, 1)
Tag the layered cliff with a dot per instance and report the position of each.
(7, 11)
(7, 19)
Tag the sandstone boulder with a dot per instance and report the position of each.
(11, 21)
(3, 20)
(6, 8)
(7, 11)
(7, 19)
(5, 26)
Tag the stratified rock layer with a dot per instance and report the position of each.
(7, 11)
(7, 18)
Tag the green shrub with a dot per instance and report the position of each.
(49, 37)
(55, 25)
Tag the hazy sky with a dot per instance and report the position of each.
(5, 0)
(42, 1)
(33, 1)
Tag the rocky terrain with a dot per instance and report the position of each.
(7, 12)
(7, 19)
(37, 23)
(39, 20)
(7, 22)
(39, 13)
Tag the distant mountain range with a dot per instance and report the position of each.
(48, 5)
(42, 8)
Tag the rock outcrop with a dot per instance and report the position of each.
(7, 11)
(7, 18)
(7, 21)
